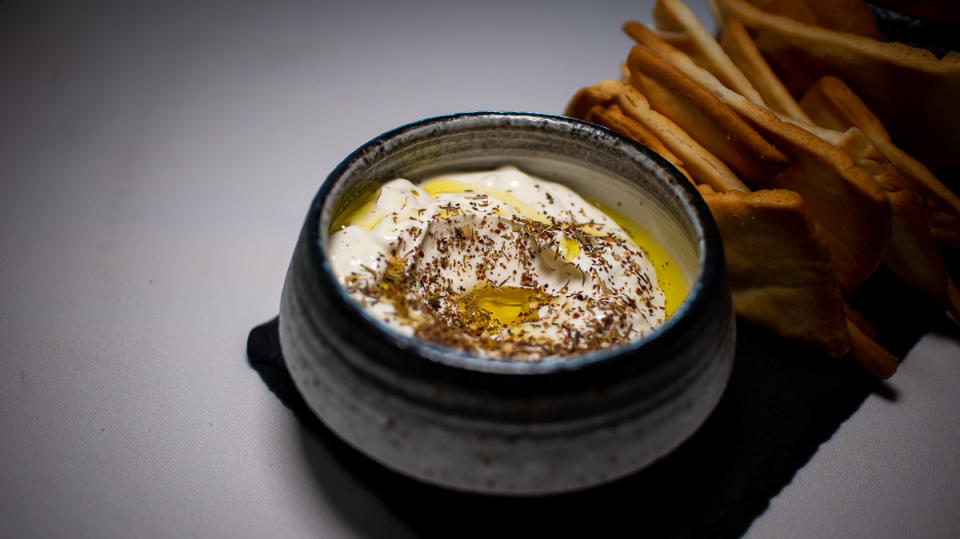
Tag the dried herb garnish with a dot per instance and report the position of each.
(523, 320)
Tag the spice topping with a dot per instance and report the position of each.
(498, 264)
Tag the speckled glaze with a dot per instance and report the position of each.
(508, 427)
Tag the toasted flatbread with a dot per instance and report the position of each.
(831, 103)
(852, 209)
(912, 255)
(781, 276)
(872, 357)
(861, 321)
(734, 61)
(912, 92)
(691, 157)
(738, 44)
(706, 119)
(676, 24)
(793, 9)
(612, 117)
(851, 16)
(780, 271)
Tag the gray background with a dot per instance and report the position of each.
(156, 161)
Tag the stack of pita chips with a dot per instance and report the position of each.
(793, 126)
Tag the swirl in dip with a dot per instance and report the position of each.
(496, 263)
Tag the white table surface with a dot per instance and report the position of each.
(156, 162)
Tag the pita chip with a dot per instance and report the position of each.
(633, 117)
(872, 357)
(912, 255)
(851, 208)
(851, 16)
(738, 44)
(676, 24)
(832, 104)
(706, 119)
(780, 273)
(912, 92)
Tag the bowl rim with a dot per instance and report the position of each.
(710, 268)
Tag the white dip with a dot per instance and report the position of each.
(496, 263)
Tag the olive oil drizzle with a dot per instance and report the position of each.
(496, 318)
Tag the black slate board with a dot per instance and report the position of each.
(783, 400)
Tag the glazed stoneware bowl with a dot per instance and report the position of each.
(497, 426)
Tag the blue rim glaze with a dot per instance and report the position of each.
(709, 247)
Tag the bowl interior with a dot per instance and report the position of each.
(601, 166)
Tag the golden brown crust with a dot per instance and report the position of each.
(702, 166)
(884, 75)
(780, 272)
(611, 116)
(792, 9)
(706, 119)
(844, 199)
(833, 104)
(851, 16)
(861, 321)
(913, 256)
(868, 354)
(740, 47)
(676, 24)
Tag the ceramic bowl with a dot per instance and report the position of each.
(496, 426)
